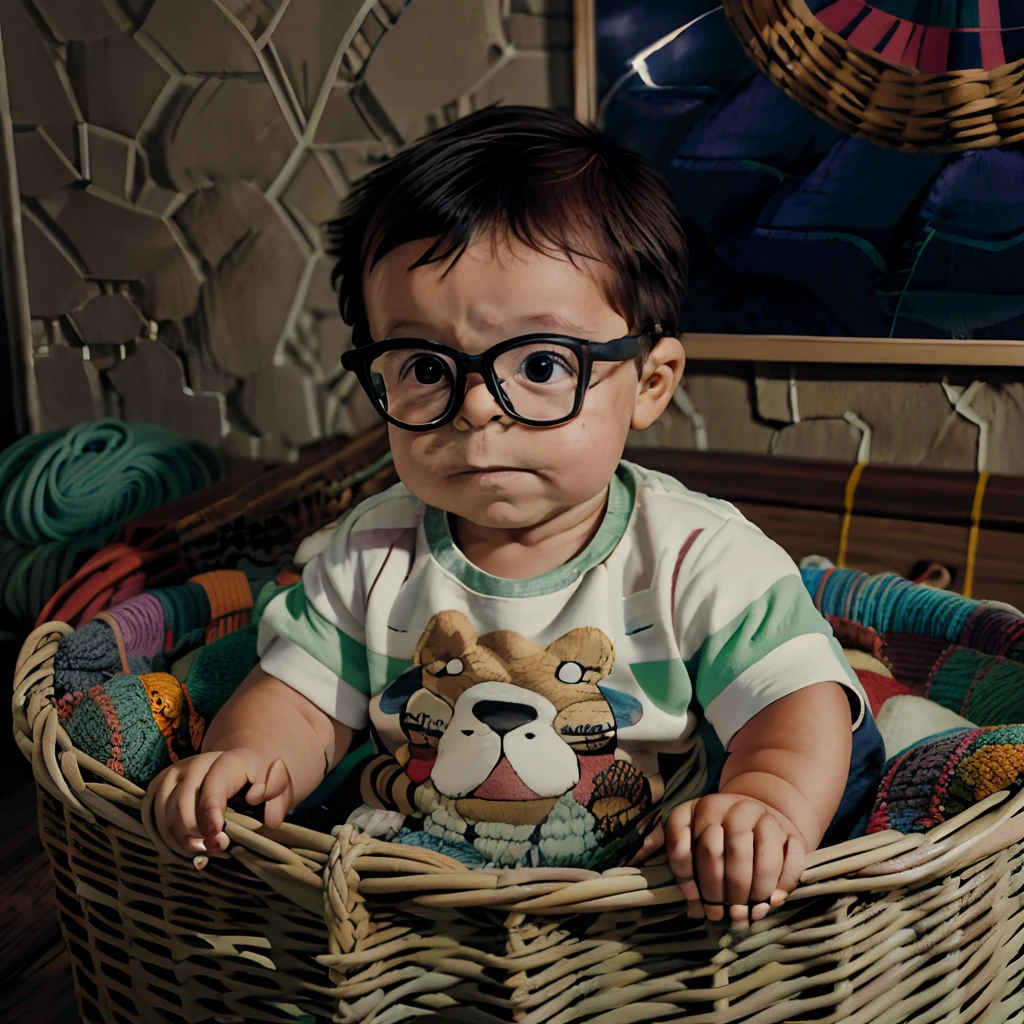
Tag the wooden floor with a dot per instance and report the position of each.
(35, 975)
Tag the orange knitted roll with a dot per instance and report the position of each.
(228, 591)
(226, 624)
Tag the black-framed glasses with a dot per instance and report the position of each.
(537, 379)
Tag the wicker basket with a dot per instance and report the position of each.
(861, 94)
(300, 925)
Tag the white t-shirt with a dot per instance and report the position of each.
(537, 722)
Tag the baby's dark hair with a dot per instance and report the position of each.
(554, 184)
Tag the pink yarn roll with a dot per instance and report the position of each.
(141, 620)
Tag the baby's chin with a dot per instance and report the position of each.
(491, 512)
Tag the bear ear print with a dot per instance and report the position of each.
(587, 646)
(396, 696)
(627, 710)
(449, 634)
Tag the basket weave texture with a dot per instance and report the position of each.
(861, 94)
(299, 925)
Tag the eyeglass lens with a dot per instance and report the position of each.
(539, 381)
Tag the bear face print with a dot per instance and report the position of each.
(500, 731)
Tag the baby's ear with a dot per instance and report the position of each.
(449, 634)
(589, 648)
(662, 371)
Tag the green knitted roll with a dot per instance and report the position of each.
(215, 671)
(218, 669)
(954, 677)
(985, 689)
(998, 696)
(113, 722)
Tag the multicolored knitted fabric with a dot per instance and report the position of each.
(944, 775)
(888, 603)
(86, 658)
(966, 655)
(139, 722)
(135, 725)
(186, 609)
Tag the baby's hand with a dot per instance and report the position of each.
(190, 797)
(728, 850)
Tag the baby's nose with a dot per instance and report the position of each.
(478, 404)
(503, 716)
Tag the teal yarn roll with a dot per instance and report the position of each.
(29, 574)
(890, 603)
(62, 486)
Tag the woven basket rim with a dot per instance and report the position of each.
(863, 94)
(297, 861)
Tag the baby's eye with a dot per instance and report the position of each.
(544, 368)
(427, 370)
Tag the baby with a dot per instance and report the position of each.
(562, 658)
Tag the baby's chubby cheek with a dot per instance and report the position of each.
(567, 465)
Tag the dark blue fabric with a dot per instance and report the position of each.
(867, 761)
(794, 227)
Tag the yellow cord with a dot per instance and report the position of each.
(972, 538)
(844, 532)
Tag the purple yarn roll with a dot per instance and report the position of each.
(991, 630)
(141, 620)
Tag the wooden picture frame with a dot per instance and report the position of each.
(935, 352)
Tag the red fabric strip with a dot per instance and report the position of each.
(912, 54)
(838, 15)
(988, 14)
(896, 47)
(935, 50)
(871, 31)
(992, 54)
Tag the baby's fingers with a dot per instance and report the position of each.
(228, 774)
(769, 855)
(793, 867)
(165, 787)
(174, 805)
(180, 813)
(709, 861)
(679, 846)
(277, 792)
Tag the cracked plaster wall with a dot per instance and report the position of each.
(926, 423)
(176, 160)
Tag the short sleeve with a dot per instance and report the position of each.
(749, 631)
(312, 635)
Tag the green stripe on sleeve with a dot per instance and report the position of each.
(665, 683)
(384, 670)
(291, 616)
(782, 612)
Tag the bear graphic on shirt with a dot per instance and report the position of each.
(510, 747)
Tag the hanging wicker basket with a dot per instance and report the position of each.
(299, 925)
(862, 94)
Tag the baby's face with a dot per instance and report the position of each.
(484, 466)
